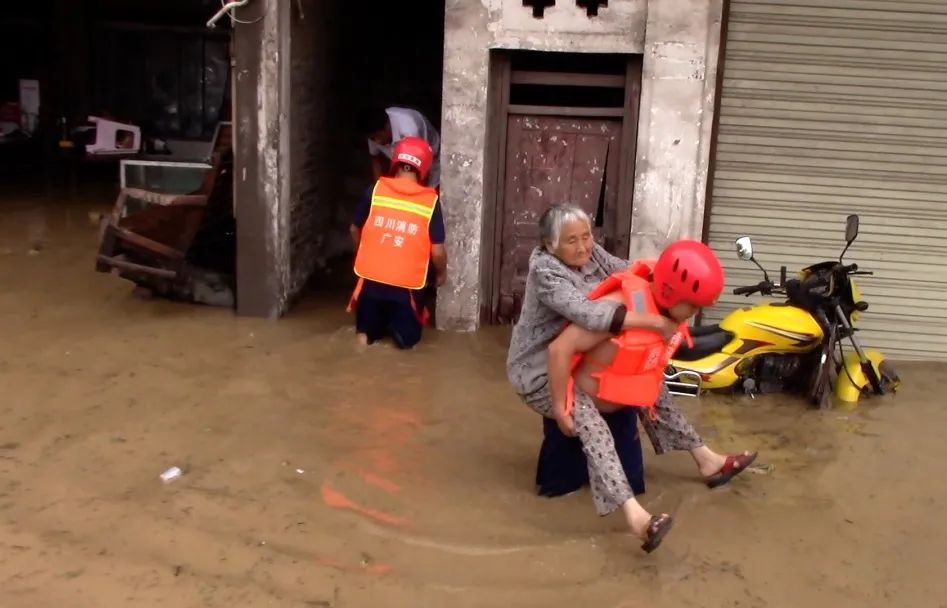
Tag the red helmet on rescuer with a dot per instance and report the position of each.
(687, 271)
(414, 152)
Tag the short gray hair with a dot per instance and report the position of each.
(552, 221)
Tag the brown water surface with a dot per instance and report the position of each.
(318, 476)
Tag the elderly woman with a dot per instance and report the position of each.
(562, 271)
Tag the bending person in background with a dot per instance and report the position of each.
(385, 127)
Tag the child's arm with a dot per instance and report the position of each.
(659, 323)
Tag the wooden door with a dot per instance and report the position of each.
(551, 160)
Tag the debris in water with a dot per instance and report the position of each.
(171, 474)
(300, 471)
(761, 469)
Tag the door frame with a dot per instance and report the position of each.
(499, 109)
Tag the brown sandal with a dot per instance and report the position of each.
(658, 527)
(733, 466)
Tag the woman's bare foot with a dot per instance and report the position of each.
(708, 461)
(637, 518)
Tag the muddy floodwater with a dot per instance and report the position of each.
(318, 476)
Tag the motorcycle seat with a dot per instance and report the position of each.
(708, 339)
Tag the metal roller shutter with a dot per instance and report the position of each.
(831, 107)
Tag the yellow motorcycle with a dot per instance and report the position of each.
(797, 345)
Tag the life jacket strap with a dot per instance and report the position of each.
(355, 293)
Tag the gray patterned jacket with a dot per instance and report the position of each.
(556, 294)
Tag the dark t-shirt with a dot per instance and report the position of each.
(436, 233)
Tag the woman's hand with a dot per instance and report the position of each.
(566, 423)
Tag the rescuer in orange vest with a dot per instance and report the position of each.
(398, 231)
(627, 370)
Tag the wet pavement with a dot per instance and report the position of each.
(318, 476)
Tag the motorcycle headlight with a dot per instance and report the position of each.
(856, 294)
(856, 297)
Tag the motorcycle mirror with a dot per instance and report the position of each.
(745, 253)
(851, 233)
(744, 248)
(851, 228)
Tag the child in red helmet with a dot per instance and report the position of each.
(398, 232)
(661, 297)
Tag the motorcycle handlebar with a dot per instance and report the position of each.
(745, 291)
(764, 287)
(811, 282)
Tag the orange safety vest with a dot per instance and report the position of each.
(395, 243)
(635, 375)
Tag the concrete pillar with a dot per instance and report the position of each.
(261, 160)
(281, 74)
(677, 101)
(463, 133)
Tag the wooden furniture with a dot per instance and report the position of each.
(148, 236)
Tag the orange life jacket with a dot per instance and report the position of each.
(635, 375)
(395, 243)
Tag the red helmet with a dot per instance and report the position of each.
(414, 152)
(687, 271)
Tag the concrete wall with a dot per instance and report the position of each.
(281, 160)
(309, 146)
(679, 40)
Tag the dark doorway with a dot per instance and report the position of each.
(388, 56)
(333, 62)
(563, 129)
